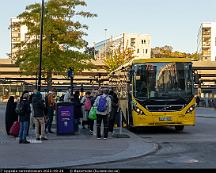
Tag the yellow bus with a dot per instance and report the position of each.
(156, 92)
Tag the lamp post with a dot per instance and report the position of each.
(105, 42)
(99, 81)
(71, 75)
(94, 49)
(41, 45)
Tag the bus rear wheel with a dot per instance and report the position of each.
(179, 128)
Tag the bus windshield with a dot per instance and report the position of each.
(163, 80)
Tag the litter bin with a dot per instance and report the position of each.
(65, 118)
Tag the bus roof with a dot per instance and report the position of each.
(149, 60)
(140, 61)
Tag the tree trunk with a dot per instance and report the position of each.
(49, 80)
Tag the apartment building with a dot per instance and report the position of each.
(140, 43)
(18, 34)
(207, 41)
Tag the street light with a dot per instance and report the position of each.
(94, 49)
(41, 45)
(71, 75)
(105, 42)
(99, 79)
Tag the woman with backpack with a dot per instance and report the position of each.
(24, 111)
(87, 102)
(103, 105)
(85, 106)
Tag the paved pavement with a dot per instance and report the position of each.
(206, 112)
(67, 151)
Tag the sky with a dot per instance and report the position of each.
(170, 22)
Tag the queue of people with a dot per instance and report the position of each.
(106, 103)
(35, 112)
(28, 108)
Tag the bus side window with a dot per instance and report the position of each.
(130, 74)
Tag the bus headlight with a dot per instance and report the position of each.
(190, 109)
(139, 111)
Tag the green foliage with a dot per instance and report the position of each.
(194, 56)
(167, 52)
(115, 58)
(62, 39)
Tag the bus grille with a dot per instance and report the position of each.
(164, 108)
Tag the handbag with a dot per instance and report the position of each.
(92, 113)
(14, 130)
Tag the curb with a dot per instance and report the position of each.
(205, 116)
(137, 148)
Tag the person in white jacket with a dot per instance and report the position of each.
(67, 96)
(103, 104)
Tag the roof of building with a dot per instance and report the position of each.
(5, 61)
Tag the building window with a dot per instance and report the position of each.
(146, 51)
(143, 41)
(132, 42)
(137, 50)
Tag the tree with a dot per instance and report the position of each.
(167, 52)
(115, 58)
(62, 39)
(194, 56)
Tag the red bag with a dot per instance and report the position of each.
(14, 130)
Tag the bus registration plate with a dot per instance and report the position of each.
(165, 119)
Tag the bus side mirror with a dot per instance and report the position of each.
(196, 78)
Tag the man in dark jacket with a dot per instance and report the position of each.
(114, 113)
(38, 107)
(77, 111)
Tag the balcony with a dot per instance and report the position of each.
(206, 36)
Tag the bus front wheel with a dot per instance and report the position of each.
(179, 128)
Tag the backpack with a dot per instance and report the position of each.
(20, 108)
(87, 104)
(102, 105)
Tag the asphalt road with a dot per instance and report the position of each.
(195, 147)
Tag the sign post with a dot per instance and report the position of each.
(71, 75)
